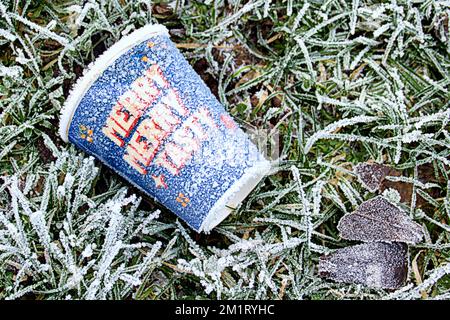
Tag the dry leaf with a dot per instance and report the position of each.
(372, 175)
(252, 74)
(378, 219)
(377, 265)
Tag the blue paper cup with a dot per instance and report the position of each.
(143, 111)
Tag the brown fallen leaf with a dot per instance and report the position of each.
(372, 175)
(377, 265)
(162, 10)
(378, 219)
(250, 75)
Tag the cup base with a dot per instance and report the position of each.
(235, 195)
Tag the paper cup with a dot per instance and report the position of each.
(144, 112)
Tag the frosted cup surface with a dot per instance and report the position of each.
(143, 111)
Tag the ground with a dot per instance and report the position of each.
(342, 82)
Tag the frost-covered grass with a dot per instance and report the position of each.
(342, 81)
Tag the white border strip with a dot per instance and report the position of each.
(235, 195)
(96, 68)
